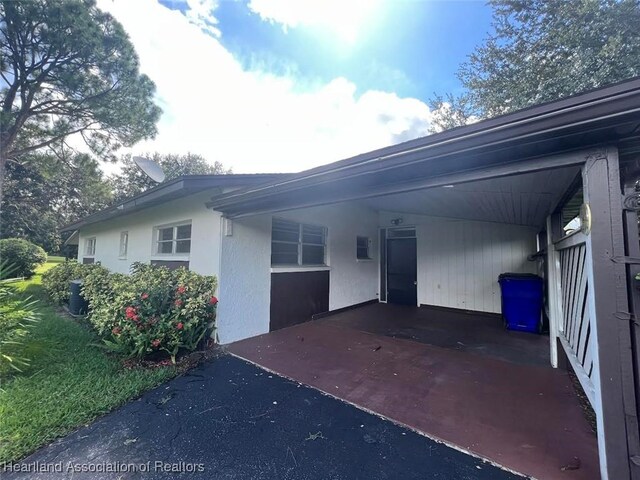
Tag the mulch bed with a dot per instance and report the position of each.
(184, 362)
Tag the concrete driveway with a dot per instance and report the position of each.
(229, 419)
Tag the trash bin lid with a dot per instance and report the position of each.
(516, 276)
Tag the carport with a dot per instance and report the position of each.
(432, 352)
(431, 223)
(515, 413)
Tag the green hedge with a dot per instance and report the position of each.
(56, 280)
(23, 256)
(152, 310)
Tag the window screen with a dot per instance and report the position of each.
(173, 240)
(362, 248)
(294, 243)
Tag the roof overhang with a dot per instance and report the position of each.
(596, 118)
(73, 239)
(172, 190)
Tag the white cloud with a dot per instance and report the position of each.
(201, 14)
(253, 121)
(344, 18)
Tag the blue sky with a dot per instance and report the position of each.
(273, 78)
(413, 47)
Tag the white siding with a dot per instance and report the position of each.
(459, 260)
(205, 235)
(245, 286)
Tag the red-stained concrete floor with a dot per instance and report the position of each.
(524, 417)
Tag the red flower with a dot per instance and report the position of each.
(178, 303)
(213, 300)
(130, 312)
(179, 326)
(144, 296)
(155, 343)
(181, 289)
(116, 330)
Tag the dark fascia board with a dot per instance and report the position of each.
(171, 190)
(615, 103)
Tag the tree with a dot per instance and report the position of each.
(45, 192)
(68, 68)
(544, 50)
(132, 181)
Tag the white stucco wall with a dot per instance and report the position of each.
(351, 280)
(459, 260)
(204, 257)
(245, 279)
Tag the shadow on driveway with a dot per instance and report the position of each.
(228, 419)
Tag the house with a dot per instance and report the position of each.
(166, 225)
(432, 221)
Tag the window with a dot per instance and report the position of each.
(173, 240)
(90, 246)
(295, 243)
(124, 244)
(362, 248)
(407, 232)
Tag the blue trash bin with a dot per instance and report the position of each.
(522, 297)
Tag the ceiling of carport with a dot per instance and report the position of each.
(521, 199)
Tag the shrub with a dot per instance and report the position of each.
(23, 256)
(56, 280)
(153, 309)
(17, 316)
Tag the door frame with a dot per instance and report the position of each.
(386, 258)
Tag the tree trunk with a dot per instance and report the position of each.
(3, 160)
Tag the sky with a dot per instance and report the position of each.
(286, 85)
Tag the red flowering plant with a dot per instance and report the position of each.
(153, 309)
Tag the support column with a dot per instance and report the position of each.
(553, 293)
(612, 375)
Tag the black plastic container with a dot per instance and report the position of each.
(77, 304)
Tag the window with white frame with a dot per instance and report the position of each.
(362, 248)
(124, 244)
(294, 243)
(173, 239)
(90, 246)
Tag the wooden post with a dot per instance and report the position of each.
(614, 386)
(632, 248)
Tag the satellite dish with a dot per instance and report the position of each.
(150, 168)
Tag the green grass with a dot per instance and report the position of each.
(69, 383)
(55, 259)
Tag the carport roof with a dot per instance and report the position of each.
(588, 120)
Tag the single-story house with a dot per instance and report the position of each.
(550, 189)
(166, 225)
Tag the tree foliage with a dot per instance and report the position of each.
(132, 181)
(21, 258)
(68, 68)
(45, 192)
(544, 50)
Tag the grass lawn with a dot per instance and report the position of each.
(69, 383)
